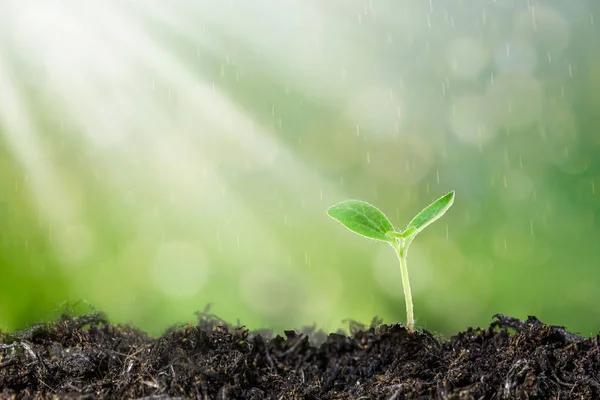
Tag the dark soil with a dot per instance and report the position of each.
(86, 357)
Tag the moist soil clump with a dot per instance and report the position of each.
(86, 357)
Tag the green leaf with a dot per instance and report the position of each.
(362, 218)
(430, 214)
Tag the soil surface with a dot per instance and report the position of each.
(86, 357)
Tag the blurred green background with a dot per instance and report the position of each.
(158, 156)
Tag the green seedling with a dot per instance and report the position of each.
(368, 221)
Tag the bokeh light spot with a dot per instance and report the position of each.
(544, 25)
(467, 58)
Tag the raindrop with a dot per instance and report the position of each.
(531, 227)
(570, 70)
(368, 158)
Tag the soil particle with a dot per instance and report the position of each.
(86, 357)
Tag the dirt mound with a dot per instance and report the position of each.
(87, 357)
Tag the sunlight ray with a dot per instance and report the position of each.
(20, 133)
(99, 55)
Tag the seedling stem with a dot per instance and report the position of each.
(401, 250)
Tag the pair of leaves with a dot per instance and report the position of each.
(368, 221)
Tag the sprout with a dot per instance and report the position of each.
(368, 221)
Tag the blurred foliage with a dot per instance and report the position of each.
(154, 160)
